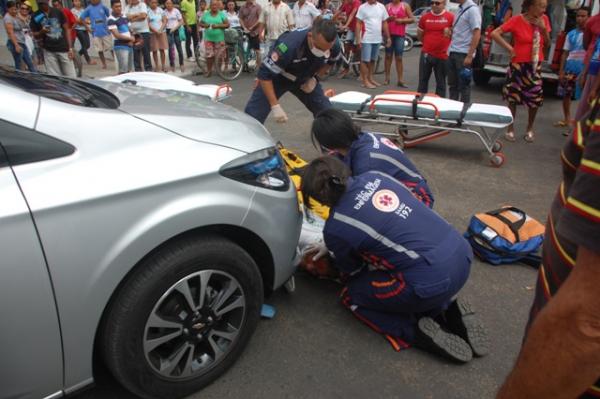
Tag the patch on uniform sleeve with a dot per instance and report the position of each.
(282, 47)
(275, 56)
(385, 201)
(389, 143)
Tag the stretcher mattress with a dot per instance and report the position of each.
(449, 110)
(163, 81)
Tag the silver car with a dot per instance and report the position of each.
(139, 226)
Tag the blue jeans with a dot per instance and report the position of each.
(369, 51)
(23, 56)
(397, 46)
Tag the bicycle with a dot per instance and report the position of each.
(233, 58)
(349, 61)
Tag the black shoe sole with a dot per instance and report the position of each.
(469, 328)
(434, 338)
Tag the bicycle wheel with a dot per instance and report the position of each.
(335, 68)
(251, 60)
(408, 43)
(228, 62)
(354, 61)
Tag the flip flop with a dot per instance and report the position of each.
(562, 123)
(402, 84)
(368, 87)
(529, 137)
(510, 136)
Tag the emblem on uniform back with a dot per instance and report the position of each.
(385, 201)
(389, 143)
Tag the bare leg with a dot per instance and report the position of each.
(567, 108)
(510, 130)
(532, 112)
(155, 58)
(364, 75)
(258, 58)
(209, 65)
(388, 67)
(102, 59)
(370, 77)
(163, 61)
(399, 68)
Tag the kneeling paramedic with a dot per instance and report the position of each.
(292, 65)
(402, 264)
(363, 152)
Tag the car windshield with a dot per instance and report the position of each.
(71, 91)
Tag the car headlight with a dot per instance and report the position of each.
(263, 168)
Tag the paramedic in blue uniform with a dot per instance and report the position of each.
(293, 64)
(362, 152)
(403, 264)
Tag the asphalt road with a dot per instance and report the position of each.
(314, 348)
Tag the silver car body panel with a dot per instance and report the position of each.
(30, 347)
(102, 209)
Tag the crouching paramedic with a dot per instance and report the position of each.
(292, 65)
(402, 264)
(363, 152)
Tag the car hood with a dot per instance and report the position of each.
(192, 116)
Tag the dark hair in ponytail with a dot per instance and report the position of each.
(324, 179)
(334, 129)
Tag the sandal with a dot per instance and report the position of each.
(403, 85)
(386, 82)
(529, 136)
(562, 123)
(510, 136)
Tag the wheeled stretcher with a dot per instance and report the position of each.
(422, 117)
(163, 81)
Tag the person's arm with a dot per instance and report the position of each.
(163, 26)
(242, 20)
(409, 19)
(358, 32)
(290, 19)
(587, 35)
(497, 37)
(345, 260)
(475, 27)
(386, 32)
(10, 31)
(561, 69)
(420, 29)
(561, 356)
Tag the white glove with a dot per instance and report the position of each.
(279, 114)
(309, 85)
(318, 248)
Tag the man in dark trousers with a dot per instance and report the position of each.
(292, 65)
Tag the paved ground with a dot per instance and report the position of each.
(315, 348)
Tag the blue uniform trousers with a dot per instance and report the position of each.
(258, 106)
(391, 303)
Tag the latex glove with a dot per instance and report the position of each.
(309, 85)
(279, 114)
(318, 248)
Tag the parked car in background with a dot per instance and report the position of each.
(138, 225)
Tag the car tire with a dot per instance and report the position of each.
(153, 305)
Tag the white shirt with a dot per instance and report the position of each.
(155, 17)
(138, 26)
(173, 18)
(372, 16)
(234, 19)
(305, 15)
(276, 19)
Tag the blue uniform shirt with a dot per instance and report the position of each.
(372, 152)
(379, 221)
(291, 58)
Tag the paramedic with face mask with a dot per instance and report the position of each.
(402, 264)
(293, 64)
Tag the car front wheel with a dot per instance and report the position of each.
(183, 317)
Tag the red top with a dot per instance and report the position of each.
(434, 41)
(590, 34)
(396, 11)
(71, 20)
(348, 8)
(522, 32)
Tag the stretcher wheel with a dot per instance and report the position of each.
(497, 147)
(497, 159)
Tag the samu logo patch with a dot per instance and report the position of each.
(385, 201)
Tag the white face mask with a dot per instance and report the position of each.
(319, 53)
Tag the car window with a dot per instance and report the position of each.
(71, 91)
(24, 145)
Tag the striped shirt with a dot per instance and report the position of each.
(574, 217)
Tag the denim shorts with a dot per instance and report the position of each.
(369, 52)
(397, 46)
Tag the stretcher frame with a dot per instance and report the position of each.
(427, 129)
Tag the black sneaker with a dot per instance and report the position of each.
(461, 320)
(431, 337)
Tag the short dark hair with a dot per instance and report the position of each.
(10, 4)
(586, 9)
(325, 27)
(334, 130)
(113, 2)
(324, 179)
